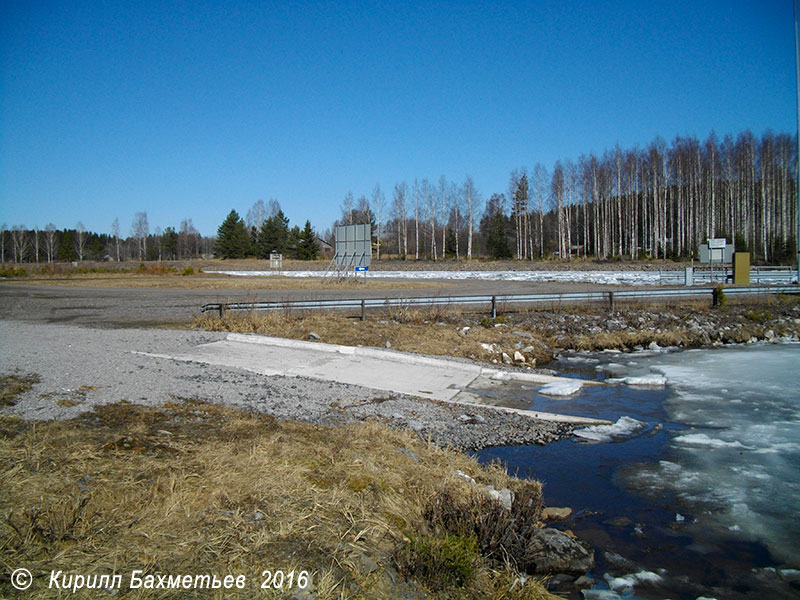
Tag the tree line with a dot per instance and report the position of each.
(661, 201)
(266, 232)
(20, 244)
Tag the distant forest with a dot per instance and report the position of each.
(661, 201)
(59, 245)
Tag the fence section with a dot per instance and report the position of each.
(492, 302)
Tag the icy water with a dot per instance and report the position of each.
(695, 491)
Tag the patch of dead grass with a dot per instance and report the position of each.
(210, 281)
(198, 488)
(537, 333)
(14, 385)
(434, 331)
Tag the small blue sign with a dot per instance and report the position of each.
(361, 269)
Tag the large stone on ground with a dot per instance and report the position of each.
(553, 551)
(556, 513)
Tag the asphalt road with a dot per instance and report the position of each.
(128, 307)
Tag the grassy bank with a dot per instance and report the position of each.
(533, 336)
(194, 488)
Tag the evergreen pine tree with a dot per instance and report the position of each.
(232, 238)
(169, 243)
(66, 251)
(274, 235)
(497, 241)
(307, 247)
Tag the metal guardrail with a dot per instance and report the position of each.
(489, 300)
(758, 275)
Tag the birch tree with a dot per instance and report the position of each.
(347, 209)
(400, 208)
(256, 215)
(377, 202)
(18, 242)
(472, 202)
(139, 231)
(49, 241)
(36, 245)
(416, 220)
(115, 235)
(80, 240)
(443, 189)
(540, 178)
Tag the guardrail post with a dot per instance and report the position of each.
(494, 307)
(611, 301)
(363, 310)
(221, 310)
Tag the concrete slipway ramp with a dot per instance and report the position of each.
(387, 370)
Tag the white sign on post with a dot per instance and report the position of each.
(716, 243)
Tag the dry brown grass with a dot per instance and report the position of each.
(193, 488)
(437, 330)
(12, 386)
(210, 281)
(432, 331)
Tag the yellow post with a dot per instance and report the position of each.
(741, 268)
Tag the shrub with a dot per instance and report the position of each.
(718, 297)
(502, 535)
(188, 271)
(440, 562)
(12, 272)
(758, 315)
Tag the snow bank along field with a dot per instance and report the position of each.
(570, 276)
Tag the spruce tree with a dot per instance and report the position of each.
(307, 247)
(232, 238)
(274, 235)
(497, 240)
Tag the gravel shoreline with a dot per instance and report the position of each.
(80, 367)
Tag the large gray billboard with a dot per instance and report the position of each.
(353, 246)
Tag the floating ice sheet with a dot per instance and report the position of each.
(561, 388)
(625, 427)
(650, 380)
(702, 439)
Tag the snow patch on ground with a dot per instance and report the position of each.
(602, 277)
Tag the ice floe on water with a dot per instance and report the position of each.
(632, 373)
(624, 428)
(734, 458)
(649, 380)
(561, 388)
(702, 439)
(628, 582)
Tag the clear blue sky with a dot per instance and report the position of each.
(189, 109)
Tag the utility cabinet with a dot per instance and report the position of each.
(741, 268)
